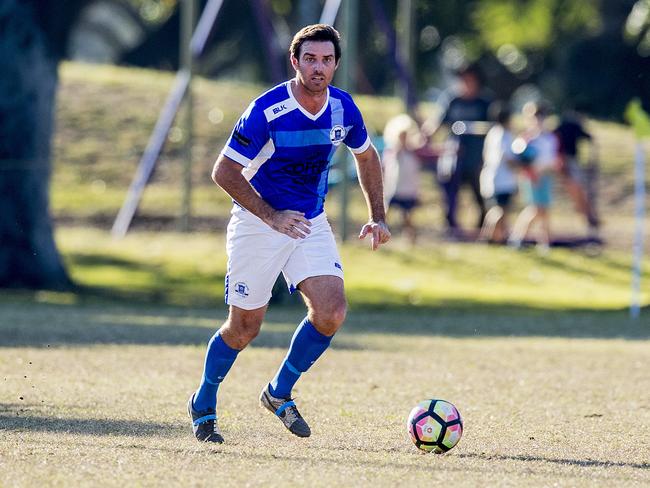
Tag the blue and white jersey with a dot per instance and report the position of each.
(286, 151)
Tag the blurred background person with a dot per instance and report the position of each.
(499, 175)
(537, 153)
(402, 139)
(570, 132)
(465, 118)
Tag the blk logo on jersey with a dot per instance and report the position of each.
(337, 134)
(241, 289)
(278, 109)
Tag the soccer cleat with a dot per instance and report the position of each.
(204, 423)
(285, 409)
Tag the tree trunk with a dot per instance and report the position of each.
(28, 81)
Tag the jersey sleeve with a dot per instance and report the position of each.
(357, 138)
(249, 136)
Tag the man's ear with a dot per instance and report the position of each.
(294, 62)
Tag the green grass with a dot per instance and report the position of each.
(95, 394)
(189, 269)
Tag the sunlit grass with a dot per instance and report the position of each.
(190, 268)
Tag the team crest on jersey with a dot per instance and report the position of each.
(337, 134)
(241, 289)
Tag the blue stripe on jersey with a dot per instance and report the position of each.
(293, 175)
(301, 138)
(337, 111)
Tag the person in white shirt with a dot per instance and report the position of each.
(402, 169)
(498, 177)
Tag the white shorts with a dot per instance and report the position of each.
(257, 254)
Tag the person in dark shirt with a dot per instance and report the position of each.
(569, 133)
(460, 164)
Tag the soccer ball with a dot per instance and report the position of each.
(435, 426)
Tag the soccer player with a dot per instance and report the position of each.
(275, 166)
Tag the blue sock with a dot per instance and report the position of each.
(218, 360)
(307, 345)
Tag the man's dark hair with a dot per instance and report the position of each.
(316, 32)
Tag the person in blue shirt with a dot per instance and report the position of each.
(275, 167)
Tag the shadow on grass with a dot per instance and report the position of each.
(48, 325)
(146, 283)
(584, 463)
(457, 319)
(29, 323)
(26, 418)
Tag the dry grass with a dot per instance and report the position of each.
(104, 388)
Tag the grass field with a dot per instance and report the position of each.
(552, 381)
(537, 351)
(95, 394)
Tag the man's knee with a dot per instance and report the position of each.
(239, 331)
(329, 317)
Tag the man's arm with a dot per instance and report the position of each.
(370, 178)
(228, 175)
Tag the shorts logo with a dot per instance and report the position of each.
(337, 134)
(338, 265)
(241, 289)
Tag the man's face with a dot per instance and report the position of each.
(316, 66)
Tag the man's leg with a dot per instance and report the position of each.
(474, 181)
(241, 327)
(325, 299)
(451, 188)
(326, 312)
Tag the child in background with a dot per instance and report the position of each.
(538, 152)
(402, 169)
(498, 177)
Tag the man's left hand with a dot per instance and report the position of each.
(378, 231)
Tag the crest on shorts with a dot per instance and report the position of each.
(337, 134)
(241, 289)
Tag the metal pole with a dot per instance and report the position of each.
(163, 124)
(188, 19)
(330, 10)
(639, 211)
(347, 77)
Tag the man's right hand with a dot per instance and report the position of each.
(289, 222)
